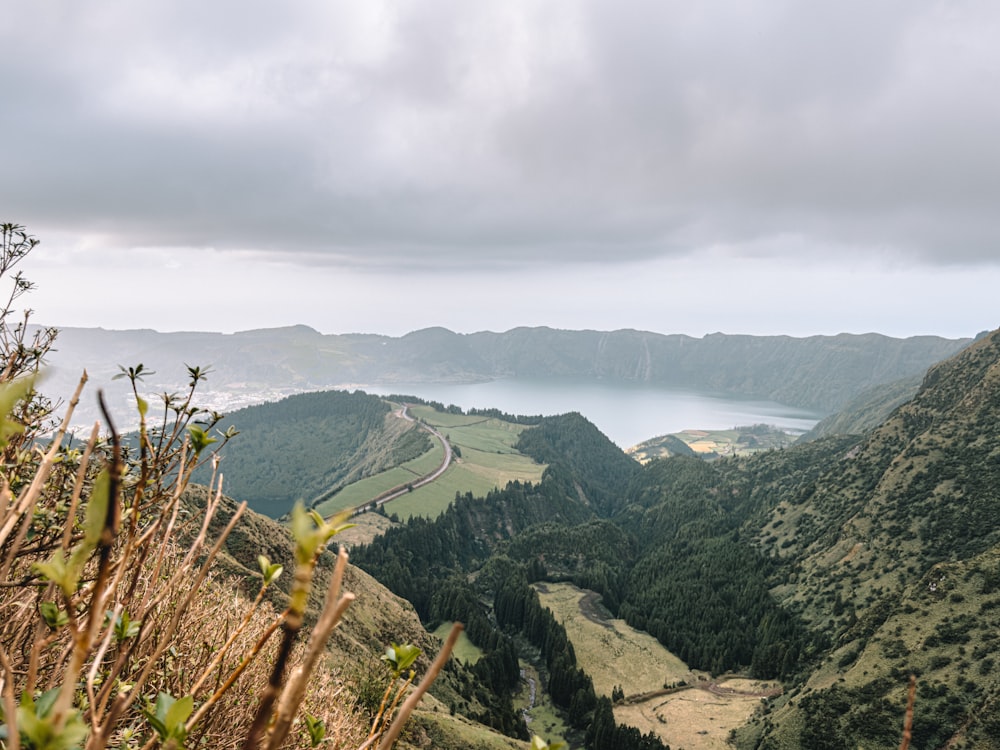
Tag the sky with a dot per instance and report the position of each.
(762, 167)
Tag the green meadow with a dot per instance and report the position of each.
(366, 490)
(465, 650)
(485, 459)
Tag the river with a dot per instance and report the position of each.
(627, 414)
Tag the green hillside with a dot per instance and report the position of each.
(820, 373)
(895, 556)
(867, 410)
(306, 447)
(840, 565)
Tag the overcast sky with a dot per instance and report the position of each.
(753, 166)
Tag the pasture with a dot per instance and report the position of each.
(696, 716)
(367, 489)
(485, 460)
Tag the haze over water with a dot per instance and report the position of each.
(627, 414)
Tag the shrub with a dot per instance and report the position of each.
(116, 630)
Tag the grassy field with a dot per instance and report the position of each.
(735, 442)
(475, 472)
(485, 460)
(465, 650)
(693, 719)
(610, 651)
(367, 489)
(613, 653)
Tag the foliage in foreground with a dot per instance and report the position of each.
(115, 630)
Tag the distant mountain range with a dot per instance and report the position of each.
(821, 373)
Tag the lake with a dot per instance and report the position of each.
(626, 413)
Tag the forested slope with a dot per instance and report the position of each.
(841, 565)
(305, 447)
(895, 554)
(867, 410)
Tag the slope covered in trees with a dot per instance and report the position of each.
(894, 552)
(305, 447)
(840, 565)
(867, 410)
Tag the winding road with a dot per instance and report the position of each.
(401, 490)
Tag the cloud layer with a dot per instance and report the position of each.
(500, 134)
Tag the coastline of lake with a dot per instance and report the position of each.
(626, 413)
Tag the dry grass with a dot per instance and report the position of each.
(610, 651)
(692, 719)
(615, 654)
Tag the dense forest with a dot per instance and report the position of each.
(853, 559)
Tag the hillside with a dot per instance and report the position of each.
(840, 565)
(334, 450)
(882, 552)
(308, 446)
(819, 372)
(894, 554)
(867, 410)
(375, 619)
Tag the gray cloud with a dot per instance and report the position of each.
(450, 132)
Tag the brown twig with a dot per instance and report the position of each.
(411, 703)
(295, 690)
(9, 702)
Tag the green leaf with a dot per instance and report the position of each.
(125, 627)
(142, 405)
(269, 570)
(316, 729)
(199, 439)
(54, 569)
(167, 716)
(93, 526)
(46, 701)
(39, 732)
(10, 394)
(97, 508)
(53, 616)
(178, 713)
(400, 657)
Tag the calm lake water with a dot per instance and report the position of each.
(627, 414)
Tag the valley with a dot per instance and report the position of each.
(790, 516)
(655, 598)
(685, 709)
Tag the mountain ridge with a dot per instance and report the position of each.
(821, 373)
